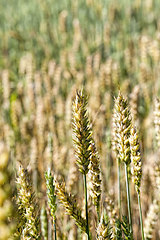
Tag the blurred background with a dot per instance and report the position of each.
(48, 50)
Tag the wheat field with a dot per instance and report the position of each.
(80, 119)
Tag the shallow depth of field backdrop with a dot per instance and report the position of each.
(48, 50)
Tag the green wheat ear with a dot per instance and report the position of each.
(118, 230)
(51, 193)
(126, 229)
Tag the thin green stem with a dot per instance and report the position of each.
(128, 199)
(140, 213)
(119, 188)
(86, 206)
(98, 212)
(55, 233)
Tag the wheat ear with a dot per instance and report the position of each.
(28, 205)
(123, 124)
(136, 168)
(95, 178)
(82, 141)
(104, 230)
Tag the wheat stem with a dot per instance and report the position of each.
(128, 199)
(98, 212)
(140, 213)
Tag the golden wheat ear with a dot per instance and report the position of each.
(122, 125)
(28, 205)
(136, 161)
(94, 177)
(81, 132)
(82, 140)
